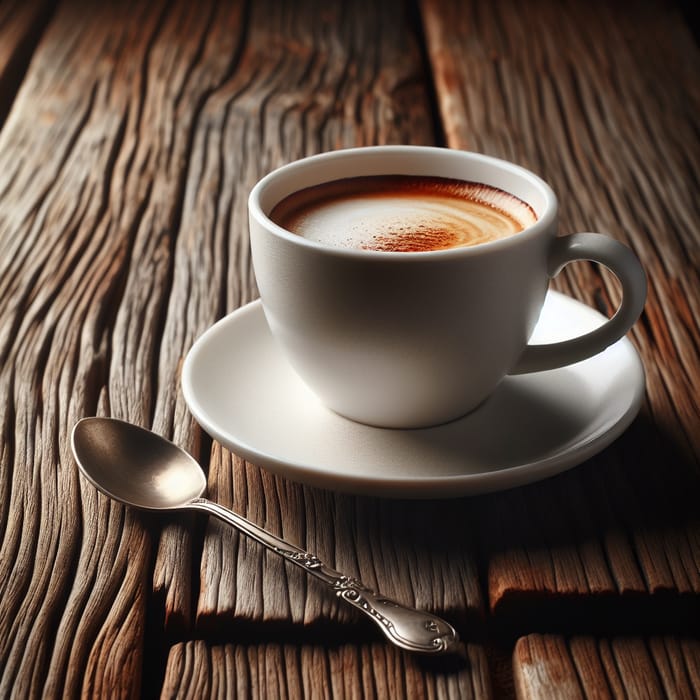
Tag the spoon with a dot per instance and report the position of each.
(142, 469)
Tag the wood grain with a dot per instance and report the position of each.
(88, 223)
(583, 667)
(611, 123)
(21, 25)
(321, 671)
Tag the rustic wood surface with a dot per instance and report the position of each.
(583, 667)
(295, 670)
(130, 136)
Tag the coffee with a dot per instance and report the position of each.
(402, 213)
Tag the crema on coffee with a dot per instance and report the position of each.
(402, 213)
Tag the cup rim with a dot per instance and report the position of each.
(541, 226)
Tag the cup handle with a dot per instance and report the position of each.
(625, 266)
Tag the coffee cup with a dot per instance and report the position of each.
(413, 336)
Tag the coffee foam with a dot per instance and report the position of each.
(402, 213)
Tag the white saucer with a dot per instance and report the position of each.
(243, 392)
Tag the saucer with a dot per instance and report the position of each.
(242, 391)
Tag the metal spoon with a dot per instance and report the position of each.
(142, 469)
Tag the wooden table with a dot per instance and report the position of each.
(131, 136)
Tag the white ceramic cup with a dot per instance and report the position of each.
(413, 339)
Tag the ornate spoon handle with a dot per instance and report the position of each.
(408, 628)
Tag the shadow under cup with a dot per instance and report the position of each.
(402, 339)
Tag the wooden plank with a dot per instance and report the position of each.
(266, 670)
(21, 25)
(209, 268)
(92, 169)
(549, 666)
(309, 81)
(597, 546)
(603, 105)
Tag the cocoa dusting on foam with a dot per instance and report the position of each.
(417, 240)
(402, 213)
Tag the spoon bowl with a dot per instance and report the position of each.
(125, 462)
(142, 469)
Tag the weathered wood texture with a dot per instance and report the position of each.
(302, 670)
(548, 666)
(73, 596)
(603, 103)
(94, 157)
(21, 24)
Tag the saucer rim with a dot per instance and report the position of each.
(414, 487)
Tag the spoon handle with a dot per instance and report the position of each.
(406, 627)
